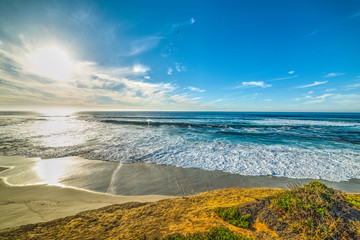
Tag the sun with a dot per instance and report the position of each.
(51, 62)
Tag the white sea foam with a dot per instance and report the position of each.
(296, 122)
(334, 164)
(187, 148)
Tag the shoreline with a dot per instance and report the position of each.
(139, 178)
(35, 190)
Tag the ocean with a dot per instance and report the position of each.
(294, 145)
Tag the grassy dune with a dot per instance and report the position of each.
(220, 214)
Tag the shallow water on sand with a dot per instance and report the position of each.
(138, 178)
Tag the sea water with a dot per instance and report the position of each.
(295, 145)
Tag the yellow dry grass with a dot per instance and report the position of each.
(159, 219)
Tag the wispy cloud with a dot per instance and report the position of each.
(195, 89)
(291, 72)
(320, 98)
(147, 77)
(179, 67)
(355, 85)
(285, 78)
(147, 43)
(330, 90)
(314, 32)
(252, 84)
(355, 15)
(330, 75)
(143, 45)
(175, 26)
(217, 100)
(348, 100)
(312, 84)
(169, 71)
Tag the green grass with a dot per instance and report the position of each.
(219, 233)
(314, 210)
(232, 216)
(354, 201)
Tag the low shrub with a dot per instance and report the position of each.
(232, 216)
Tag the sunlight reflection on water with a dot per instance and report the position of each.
(51, 171)
(59, 131)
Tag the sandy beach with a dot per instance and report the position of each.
(36, 190)
(40, 203)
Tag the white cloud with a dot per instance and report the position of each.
(325, 96)
(291, 72)
(90, 85)
(195, 89)
(314, 101)
(170, 71)
(313, 84)
(330, 90)
(253, 84)
(330, 75)
(217, 100)
(356, 85)
(139, 68)
(349, 100)
(268, 99)
(284, 78)
(310, 92)
(179, 67)
(319, 99)
(176, 26)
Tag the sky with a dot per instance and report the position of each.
(245, 55)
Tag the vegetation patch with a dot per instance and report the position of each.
(354, 200)
(232, 216)
(218, 233)
(313, 211)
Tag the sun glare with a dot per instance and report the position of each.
(51, 62)
(51, 170)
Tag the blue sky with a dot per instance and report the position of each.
(189, 55)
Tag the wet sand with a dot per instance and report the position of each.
(40, 203)
(139, 178)
(34, 190)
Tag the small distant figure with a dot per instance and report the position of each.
(178, 32)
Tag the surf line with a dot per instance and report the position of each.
(111, 188)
